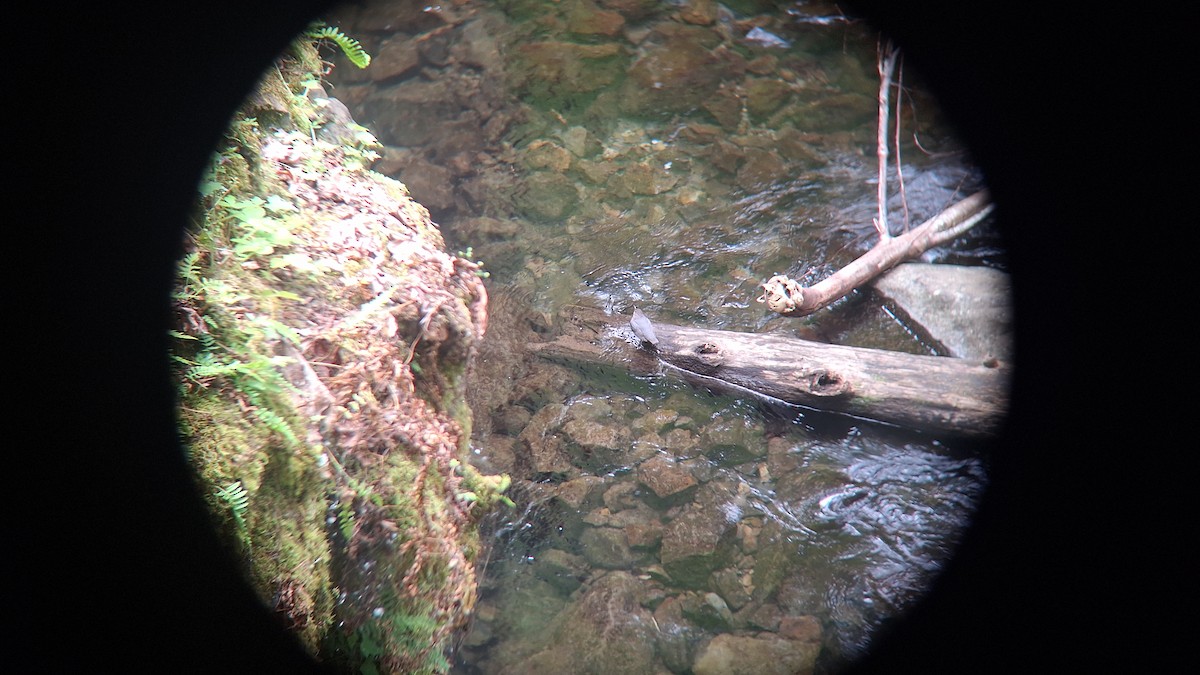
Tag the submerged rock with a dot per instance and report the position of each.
(606, 548)
(734, 439)
(732, 585)
(585, 18)
(673, 76)
(676, 635)
(707, 610)
(697, 542)
(543, 450)
(667, 479)
(605, 632)
(547, 196)
(565, 571)
(756, 655)
(551, 71)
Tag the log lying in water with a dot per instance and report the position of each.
(933, 393)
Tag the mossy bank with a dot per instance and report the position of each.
(323, 342)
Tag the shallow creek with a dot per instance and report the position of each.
(671, 156)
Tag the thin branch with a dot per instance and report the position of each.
(787, 296)
(899, 167)
(886, 64)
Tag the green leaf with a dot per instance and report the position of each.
(297, 261)
(282, 330)
(253, 247)
(279, 205)
(209, 187)
(369, 648)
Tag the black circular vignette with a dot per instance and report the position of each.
(122, 106)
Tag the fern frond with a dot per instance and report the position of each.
(189, 266)
(209, 342)
(277, 424)
(346, 519)
(350, 47)
(238, 500)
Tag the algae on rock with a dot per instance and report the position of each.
(323, 341)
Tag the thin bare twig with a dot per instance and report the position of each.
(899, 167)
(886, 63)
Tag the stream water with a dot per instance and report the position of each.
(670, 156)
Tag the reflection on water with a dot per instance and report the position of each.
(670, 156)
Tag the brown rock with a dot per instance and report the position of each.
(560, 569)
(801, 628)
(604, 631)
(763, 617)
(596, 172)
(427, 107)
(763, 65)
(543, 450)
(726, 156)
(632, 10)
(694, 544)
(606, 547)
(699, 12)
(621, 496)
(585, 18)
(730, 584)
(499, 454)
(430, 184)
(578, 492)
(761, 169)
(643, 535)
(730, 654)
(561, 68)
(548, 196)
(645, 178)
(783, 457)
(543, 154)
(397, 57)
(664, 477)
(478, 47)
(764, 96)
(674, 76)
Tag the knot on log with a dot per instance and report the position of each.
(824, 383)
(704, 358)
(710, 355)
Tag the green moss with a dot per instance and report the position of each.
(223, 445)
(291, 549)
(244, 290)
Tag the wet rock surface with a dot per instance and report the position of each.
(750, 655)
(700, 537)
(606, 631)
(966, 310)
(666, 478)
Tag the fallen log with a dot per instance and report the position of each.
(940, 394)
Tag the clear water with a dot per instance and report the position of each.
(618, 168)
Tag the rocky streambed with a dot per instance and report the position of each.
(721, 535)
(670, 156)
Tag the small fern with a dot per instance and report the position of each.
(238, 500)
(346, 519)
(350, 47)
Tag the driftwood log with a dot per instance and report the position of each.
(940, 394)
